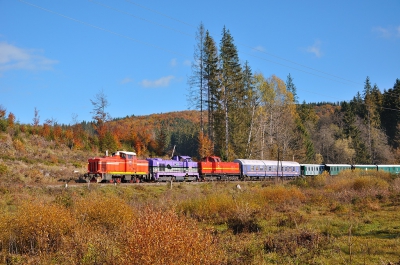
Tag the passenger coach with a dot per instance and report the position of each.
(312, 169)
(261, 169)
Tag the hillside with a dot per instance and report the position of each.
(51, 153)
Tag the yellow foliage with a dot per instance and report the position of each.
(35, 227)
(102, 212)
(281, 194)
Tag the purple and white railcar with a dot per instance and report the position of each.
(178, 168)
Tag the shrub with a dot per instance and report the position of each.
(281, 194)
(294, 243)
(35, 227)
(18, 145)
(103, 212)
(3, 170)
(163, 237)
(217, 207)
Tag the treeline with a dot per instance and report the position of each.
(240, 114)
(246, 115)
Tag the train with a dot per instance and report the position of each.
(124, 166)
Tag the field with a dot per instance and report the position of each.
(349, 219)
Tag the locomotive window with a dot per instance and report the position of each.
(130, 156)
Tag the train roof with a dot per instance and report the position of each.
(313, 165)
(249, 162)
(124, 152)
(338, 165)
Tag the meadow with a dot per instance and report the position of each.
(352, 218)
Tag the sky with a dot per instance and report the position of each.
(57, 55)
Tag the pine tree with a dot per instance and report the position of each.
(211, 80)
(197, 91)
(390, 114)
(232, 89)
(292, 88)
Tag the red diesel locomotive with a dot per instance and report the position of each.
(212, 168)
(122, 166)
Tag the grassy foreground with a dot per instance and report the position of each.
(353, 218)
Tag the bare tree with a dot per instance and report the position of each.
(36, 118)
(100, 103)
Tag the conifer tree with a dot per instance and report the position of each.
(211, 79)
(391, 114)
(231, 88)
(292, 88)
(197, 92)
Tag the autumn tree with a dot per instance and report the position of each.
(275, 119)
(205, 146)
(11, 120)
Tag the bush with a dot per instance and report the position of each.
(163, 237)
(294, 243)
(3, 170)
(35, 228)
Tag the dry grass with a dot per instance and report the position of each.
(351, 218)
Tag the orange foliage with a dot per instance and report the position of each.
(57, 132)
(11, 120)
(46, 130)
(163, 237)
(205, 145)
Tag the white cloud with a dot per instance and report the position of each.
(315, 49)
(174, 62)
(187, 63)
(259, 48)
(126, 80)
(14, 58)
(162, 82)
(388, 32)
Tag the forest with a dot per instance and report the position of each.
(238, 114)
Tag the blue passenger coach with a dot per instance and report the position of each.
(261, 169)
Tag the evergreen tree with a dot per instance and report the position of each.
(232, 90)
(291, 88)
(391, 115)
(197, 91)
(211, 79)
(352, 132)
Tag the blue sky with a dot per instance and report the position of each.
(56, 55)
